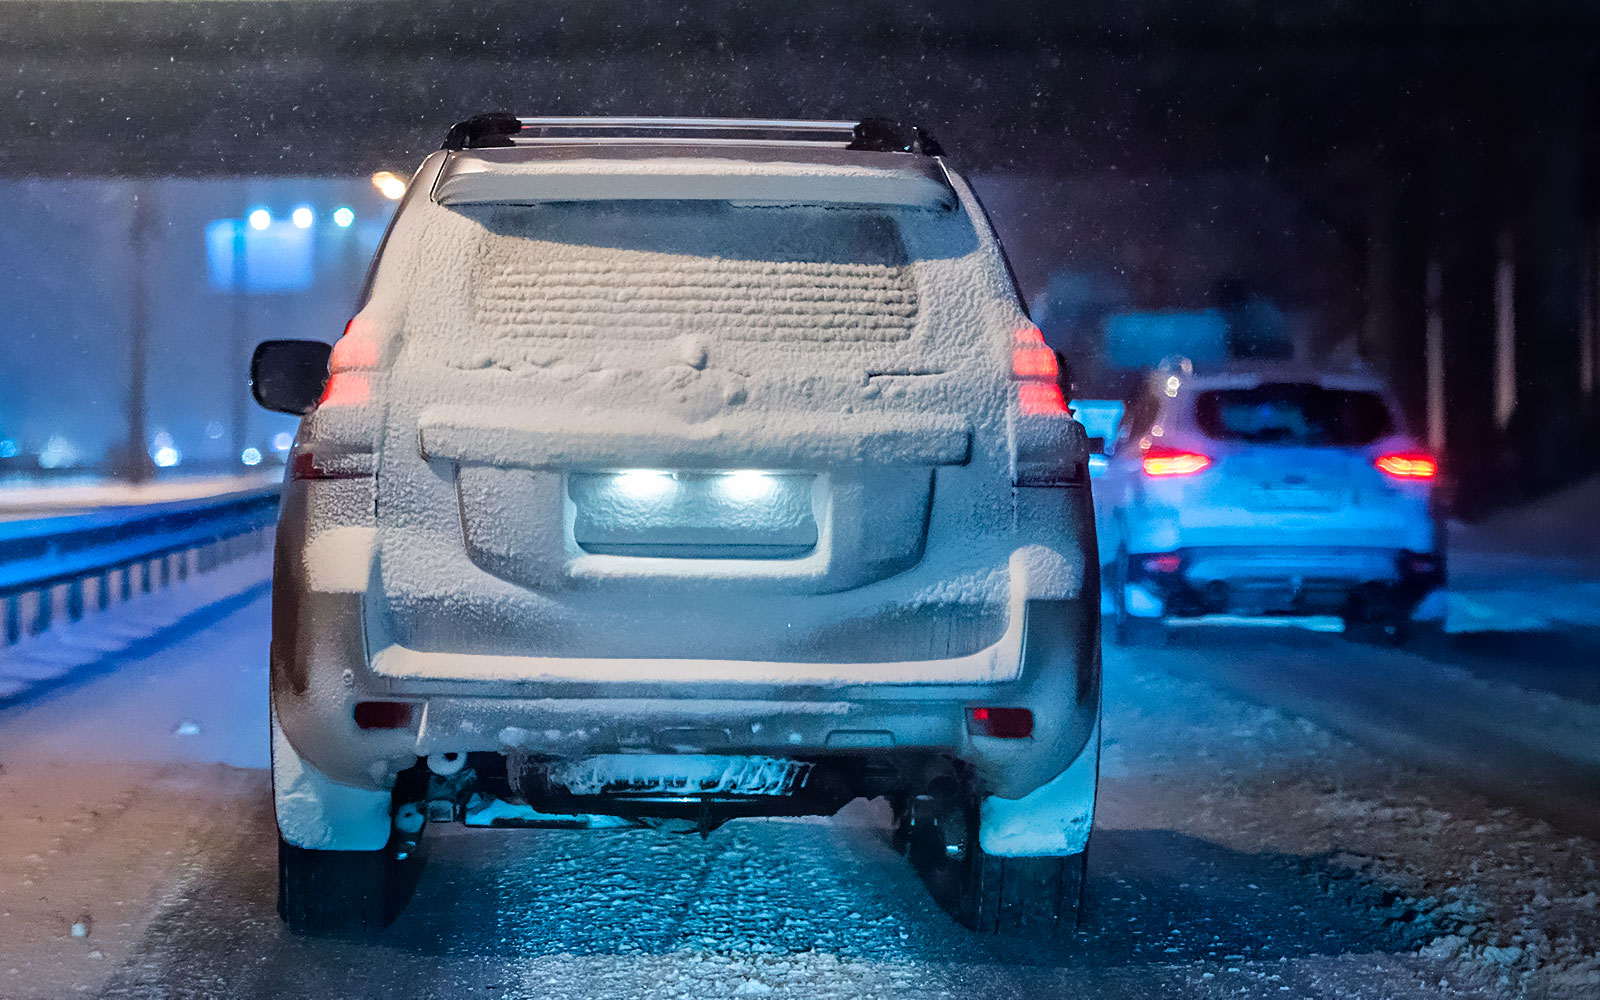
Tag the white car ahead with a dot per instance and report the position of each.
(1269, 490)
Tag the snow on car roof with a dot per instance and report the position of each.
(762, 174)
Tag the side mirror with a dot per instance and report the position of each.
(289, 375)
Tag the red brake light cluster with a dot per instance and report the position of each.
(1030, 357)
(1407, 465)
(1034, 366)
(352, 354)
(1161, 461)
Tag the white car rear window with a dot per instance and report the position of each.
(1293, 414)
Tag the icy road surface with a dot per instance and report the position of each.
(1242, 850)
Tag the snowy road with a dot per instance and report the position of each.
(1241, 851)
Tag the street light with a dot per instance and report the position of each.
(389, 185)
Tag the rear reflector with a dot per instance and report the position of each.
(1407, 465)
(1001, 723)
(1164, 563)
(382, 714)
(1161, 461)
(305, 465)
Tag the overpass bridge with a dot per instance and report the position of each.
(1435, 162)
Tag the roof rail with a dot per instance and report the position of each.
(877, 135)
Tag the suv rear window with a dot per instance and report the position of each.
(1292, 413)
(649, 269)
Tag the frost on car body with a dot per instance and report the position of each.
(691, 461)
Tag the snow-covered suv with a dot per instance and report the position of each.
(674, 471)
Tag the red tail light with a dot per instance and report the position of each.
(346, 389)
(352, 354)
(1030, 357)
(1407, 465)
(1161, 461)
(1043, 440)
(1040, 399)
(1001, 723)
(1034, 367)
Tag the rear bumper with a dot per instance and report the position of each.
(1058, 680)
(1356, 581)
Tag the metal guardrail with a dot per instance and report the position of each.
(60, 568)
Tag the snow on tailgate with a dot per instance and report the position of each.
(544, 437)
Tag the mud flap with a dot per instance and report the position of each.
(1053, 820)
(318, 813)
(1432, 608)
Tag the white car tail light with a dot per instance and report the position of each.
(1411, 466)
(1160, 461)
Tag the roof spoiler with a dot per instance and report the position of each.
(874, 135)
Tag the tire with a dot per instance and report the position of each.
(1024, 897)
(1034, 898)
(341, 893)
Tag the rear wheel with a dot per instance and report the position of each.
(1030, 897)
(342, 893)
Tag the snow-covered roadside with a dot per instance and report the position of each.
(1529, 569)
(116, 788)
(1491, 897)
(100, 637)
(34, 498)
(90, 852)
